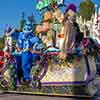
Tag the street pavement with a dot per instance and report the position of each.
(33, 97)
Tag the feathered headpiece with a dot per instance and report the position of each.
(8, 29)
(71, 7)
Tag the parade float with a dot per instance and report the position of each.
(62, 69)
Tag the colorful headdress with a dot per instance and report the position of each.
(8, 29)
(71, 7)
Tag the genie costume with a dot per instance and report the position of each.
(27, 41)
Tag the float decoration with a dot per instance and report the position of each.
(54, 71)
(44, 3)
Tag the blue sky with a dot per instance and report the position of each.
(10, 11)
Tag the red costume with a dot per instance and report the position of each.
(1, 56)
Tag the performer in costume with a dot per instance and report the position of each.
(1, 58)
(28, 43)
(58, 27)
(69, 30)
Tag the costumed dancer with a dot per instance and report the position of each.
(17, 54)
(28, 44)
(13, 51)
(46, 28)
(69, 30)
(11, 69)
(8, 39)
(47, 32)
(58, 27)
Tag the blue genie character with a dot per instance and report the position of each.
(30, 47)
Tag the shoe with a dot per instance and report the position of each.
(25, 82)
(97, 75)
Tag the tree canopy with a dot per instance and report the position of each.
(2, 42)
(86, 9)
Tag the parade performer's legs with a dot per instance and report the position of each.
(26, 65)
(19, 68)
(98, 64)
(36, 57)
